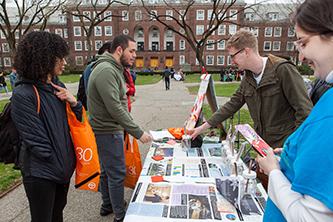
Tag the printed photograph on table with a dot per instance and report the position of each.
(199, 207)
(164, 151)
(157, 193)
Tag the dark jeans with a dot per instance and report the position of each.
(47, 199)
(167, 83)
(113, 172)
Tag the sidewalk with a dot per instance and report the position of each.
(154, 108)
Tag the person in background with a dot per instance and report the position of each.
(203, 70)
(172, 70)
(166, 78)
(47, 156)
(3, 83)
(222, 73)
(109, 117)
(130, 88)
(273, 90)
(12, 78)
(300, 185)
(133, 74)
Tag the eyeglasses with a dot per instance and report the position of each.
(300, 44)
(239, 51)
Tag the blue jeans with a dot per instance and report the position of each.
(113, 172)
(167, 83)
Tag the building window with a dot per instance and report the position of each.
(124, 15)
(86, 31)
(99, 17)
(5, 47)
(7, 61)
(108, 16)
(98, 45)
(79, 60)
(65, 33)
(140, 46)
(182, 31)
(78, 45)
(181, 44)
(200, 29)
(181, 60)
(197, 62)
(17, 34)
(87, 16)
(268, 31)
(276, 46)
(229, 61)
(169, 13)
(232, 29)
(169, 46)
(138, 15)
(255, 31)
(125, 31)
(76, 18)
(267, 46)
(233, 14)
(220, 60)
(58, 32)
(154, 46)
(221, 45)
(153, 15)
(221, 30)
(77, 30)
(140, 32)
(169, 33)
(210, 60)
(210, 47)
(273, 16)
(98, 31)
(182, 13)
(290, 46)
(86, 45)
(108, 30)
(62, 19)
(291, 32)
(249, 16)
(200, 14)
(155, 32)
(210, 15)
(213, 26)
(277, 31)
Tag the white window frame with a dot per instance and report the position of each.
(78, 45)
(182, 60)
(200, 14)
(220, 58)
(125, 15)
(86, 45)
(290, 46)
(291, 32)
(95, 15)
(169, 12)
(65, 33)
(210, 47)
(77, 31)
(233, 12)
(107, 13)
(138, 15)
(221, 45)
(76, 18)
(229, 61)
(152, 17)
(213, 26)
(249, 16)
(276, 43)
(221, 30)
(269, 44)
(98, 43)
(88, 14)
(273, 16)
(5, 47)
(198, 31)
(62, 18)
(79, 60)
(181, 12)
(108, 30)
(210, 60)
(255, 31)
(96, 30)
(277, 33)
(58, 32)
(17, 36)
(268, 32)
(210, 14)
(7, 61)
(182, 45)
(232, 28)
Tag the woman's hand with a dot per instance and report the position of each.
(269, 163)
(64, 94)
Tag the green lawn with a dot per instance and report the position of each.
(69, 78)
(224, 90)
(9, 87)
(147, 80)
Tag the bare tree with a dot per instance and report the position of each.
(27, 14)
(88, 23)
(183, 27)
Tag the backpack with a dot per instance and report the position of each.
(10, 140)
(81, 93)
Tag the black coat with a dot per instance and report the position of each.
(46, 136)
(2, 81)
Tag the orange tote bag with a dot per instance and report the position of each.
(87, 171)
(133, 162)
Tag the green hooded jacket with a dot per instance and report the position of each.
(278, 105)
(107, 101)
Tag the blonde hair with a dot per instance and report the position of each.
(242, 39)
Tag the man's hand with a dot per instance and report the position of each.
(64, 94)
(197, 131)
(145, 138)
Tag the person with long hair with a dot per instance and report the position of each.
(300, 186)
(47, 157)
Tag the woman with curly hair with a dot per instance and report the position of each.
(47, 157)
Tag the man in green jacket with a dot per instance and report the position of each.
(108, 117)
(272, 89)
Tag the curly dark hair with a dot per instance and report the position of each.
(37, 55)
